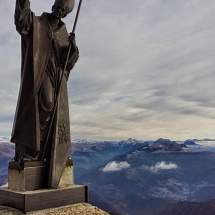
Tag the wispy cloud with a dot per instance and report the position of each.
(114, 166)
(163, 165)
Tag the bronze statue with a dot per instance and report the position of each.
(41, 128)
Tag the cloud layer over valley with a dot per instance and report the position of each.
(114, 166)
(163, 165)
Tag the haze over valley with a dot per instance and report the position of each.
(133, 176)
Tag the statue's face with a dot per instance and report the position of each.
(59, 10)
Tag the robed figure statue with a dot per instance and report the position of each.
(40, 131)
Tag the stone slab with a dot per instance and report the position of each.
(27, 177)
(18, 166)
(43, 199)
(67, 178)
(33, 176)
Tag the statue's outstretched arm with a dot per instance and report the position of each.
(23, 17)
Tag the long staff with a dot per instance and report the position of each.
(61, 81)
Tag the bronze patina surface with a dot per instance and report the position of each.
(41, 130)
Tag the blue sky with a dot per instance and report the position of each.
(146, 69)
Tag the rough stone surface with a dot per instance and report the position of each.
(28, 178)
(75, 209)
(16, 180)
(67, 178)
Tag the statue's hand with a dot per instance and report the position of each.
(72, 40)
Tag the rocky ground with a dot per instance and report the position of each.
(76, 209)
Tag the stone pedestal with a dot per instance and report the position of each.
(67, 178)
(43, 199)
(27, 190)
(32, 176)
(26, 177)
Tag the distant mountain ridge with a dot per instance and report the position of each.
(191, 208)
(166, 145)
(137, 177)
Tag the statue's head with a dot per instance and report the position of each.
(62, 7)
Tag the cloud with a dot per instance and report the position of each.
(114, 166)
(160, 166)
(5, 185)
(146, 70)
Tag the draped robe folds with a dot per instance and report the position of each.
(43, 56)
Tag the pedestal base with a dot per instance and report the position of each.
(43, 199)
(33, 176)
(27, 177)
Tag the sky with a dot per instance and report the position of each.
(146, 69)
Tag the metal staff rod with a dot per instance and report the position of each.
(61, 81)
(76, 17)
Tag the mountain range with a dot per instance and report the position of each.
(138, 177)
(191, 208)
